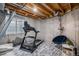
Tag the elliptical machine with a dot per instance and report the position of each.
(31, 47)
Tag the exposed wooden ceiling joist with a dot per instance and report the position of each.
(31, 7)
(24, 12)
(52, 11)
(44, 10)
(65, 6)
(55, 7)
(74, 5)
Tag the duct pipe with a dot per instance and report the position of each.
(6, 25)
(2, 5)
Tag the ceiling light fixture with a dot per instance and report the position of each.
(35, 9)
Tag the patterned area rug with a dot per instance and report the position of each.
(43, 50)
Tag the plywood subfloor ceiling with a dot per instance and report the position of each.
(41, 10)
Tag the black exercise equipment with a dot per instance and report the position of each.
(34, 44)
(61, 39)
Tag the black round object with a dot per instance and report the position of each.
(61, 39)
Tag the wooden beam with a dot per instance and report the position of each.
(46, 8)
(70, 6)
(41, 9)
(55, 7)
(30, 7)
(49, 9)
(74, 5)
(22, 12)
(18, 11)
(66, 7)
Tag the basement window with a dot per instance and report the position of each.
(15, 27)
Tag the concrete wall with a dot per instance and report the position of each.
(71, 26)
(49, 27)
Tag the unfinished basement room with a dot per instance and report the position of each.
(39, 29)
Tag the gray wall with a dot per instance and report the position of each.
(71, 25)
(70, 22)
